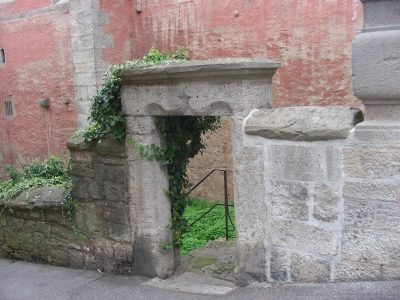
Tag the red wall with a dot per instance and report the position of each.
(312, 39)
(38, 65)
(21, 6)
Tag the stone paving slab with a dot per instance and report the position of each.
(189, 282)
(216, 259)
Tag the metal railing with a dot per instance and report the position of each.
(225, 204)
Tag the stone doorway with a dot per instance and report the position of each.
(231, 87)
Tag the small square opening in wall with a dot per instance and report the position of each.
(2, 57)
(9, 109)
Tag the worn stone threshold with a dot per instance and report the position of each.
(189, 282)
(207, 270)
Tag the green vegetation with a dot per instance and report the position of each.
(183, 137)
(183, 134)
(52, 172)
(209, 228)
(106, 116)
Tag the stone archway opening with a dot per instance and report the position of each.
(231, 87)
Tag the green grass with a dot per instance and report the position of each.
(209, 228)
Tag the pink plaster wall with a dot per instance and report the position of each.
(38, 65)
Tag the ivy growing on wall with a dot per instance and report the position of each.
(52, 172)
(106, 116)
(183, 134)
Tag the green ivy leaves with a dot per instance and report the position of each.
(183, 134)
(106, 116)
(52, 172)
(184, 140)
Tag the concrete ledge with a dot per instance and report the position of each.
(304, 123)
(39, 198)
(77, 143)
(201, 70)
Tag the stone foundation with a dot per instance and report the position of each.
(37, 228)
(332, 206)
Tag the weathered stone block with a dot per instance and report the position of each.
(87, 219)
(302, 123)
(391, 273)
(116, 222)
(378, 137)
(63, 232)
(39, 198)
(58, 257)
(305, 237)
(326, 202)
(334, 163)
(289, 200)
(82, 107)
(307, 269)
(370, 191)
(114, 191)
(81, 156)
(387, 217)
(111, 173)
(359, 213)
(77, 143)
(376, 80)
(251, 262)
(371, 247)
(79, 190)
(91, 261)
(371, 163)
(295, 162)
(110, 147)
(346, 271)
(109, 265)
(108, 160)
(75, 258)
(140, 125)
(250, 213)
(233, 86)
(123, 258)
(96, 189)
(278, 265)
(83, 168)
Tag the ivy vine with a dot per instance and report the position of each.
(106, 116)
(52, 172)
(183, 134)
(184, 140)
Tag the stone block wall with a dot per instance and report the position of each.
(333, 209)
(99, 178)
(37, 228)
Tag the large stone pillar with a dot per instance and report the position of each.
(371, 163)
(376, 61)
(150, 208)
(87, 44)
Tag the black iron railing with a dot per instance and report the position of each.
(225, 204)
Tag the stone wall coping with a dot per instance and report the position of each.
(213, 69)
(44, 198)
(310, 123)
(106, 146)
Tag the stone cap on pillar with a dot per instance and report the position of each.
(213, 69)
(380, 15)
(376, 54)
(215, 87)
